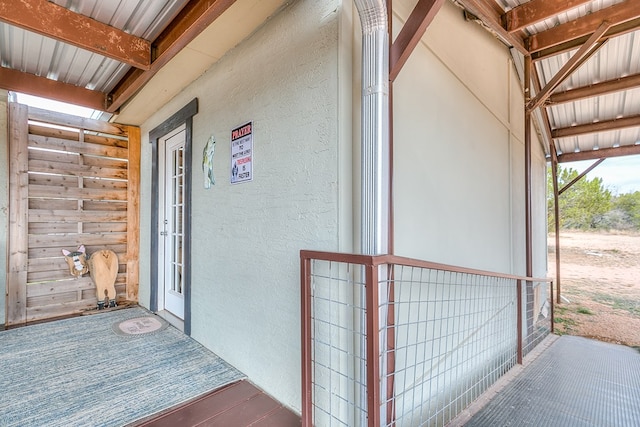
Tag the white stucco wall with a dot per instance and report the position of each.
(459, 151)
(247, 237)
(4, 202)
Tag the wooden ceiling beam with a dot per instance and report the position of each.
(603, 88)
(31, 84)
(618, 14)
(604, 153)
(491, 15)
(411, 33)
(190, 22)
(50, 20)
(535, 11)
(603, 126)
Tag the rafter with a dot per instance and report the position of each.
(190, 22)
(535, 11)
(603, 126)
(618, 14)
(411, 33)
(614, 31)
(491, 15)
(41, 86)
(50, 20)
(604, 153)
(603, 88)
(576, 60)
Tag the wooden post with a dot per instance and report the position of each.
(18, 214)
(133, 214)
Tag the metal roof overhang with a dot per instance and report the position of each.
(585, 73)
(100, 54)
(585, 55)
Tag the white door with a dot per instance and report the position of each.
(171, 241)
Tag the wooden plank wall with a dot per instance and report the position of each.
(74, 181)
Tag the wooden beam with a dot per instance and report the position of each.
(535, 11)
(46, 88)
(614, 31)
(603, 126)
(491, 14)
(190, 22)
(411, 33)
(572, 30)
(605, 153)
(572, 64)
(48, 19)
(603, 88)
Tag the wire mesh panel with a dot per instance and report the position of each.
(338, 344)
(454, 334)
(398, 342)
(538, 316)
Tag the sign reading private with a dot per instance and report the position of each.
(242, 153)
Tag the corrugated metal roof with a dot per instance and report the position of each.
(618, 57)
(32, 53)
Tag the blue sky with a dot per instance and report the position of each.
(619, 174)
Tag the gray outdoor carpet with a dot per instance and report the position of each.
(575, 382)
(84, 371)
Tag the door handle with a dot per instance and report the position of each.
(163, 233)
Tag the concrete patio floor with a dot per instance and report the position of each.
(569, 381)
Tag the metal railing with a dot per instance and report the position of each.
(395, 341)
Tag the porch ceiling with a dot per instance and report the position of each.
(99, 54)
(586, 69)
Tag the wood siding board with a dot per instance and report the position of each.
(61, 119)
(71, 135)
(100, 194)
(133, 214)
(41, 289)
(59, 310)
(71, 146)
(18, 215)
(78, 170)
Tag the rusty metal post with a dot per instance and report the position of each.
(519, 320)
(373, 347)
(552, 307)
(307, 388)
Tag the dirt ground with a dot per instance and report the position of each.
(600, 276)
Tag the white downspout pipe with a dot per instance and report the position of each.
(375, 198)
(374, 227)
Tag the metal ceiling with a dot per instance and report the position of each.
(42, 56)
(594, 112)
(95, 53)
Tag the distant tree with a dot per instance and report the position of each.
(629, 207)
(582, 206)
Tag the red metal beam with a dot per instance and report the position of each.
(491, 14)
(627, 150)
(618, 14)
(603, 126)
(610, 86)
(48, 19)
(572, 64)
(535, 11)
(46, 88)
(411, 33)
(579, 177)
(190, 22)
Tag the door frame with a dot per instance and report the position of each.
(183, 117)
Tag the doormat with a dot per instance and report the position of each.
(140, 326)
